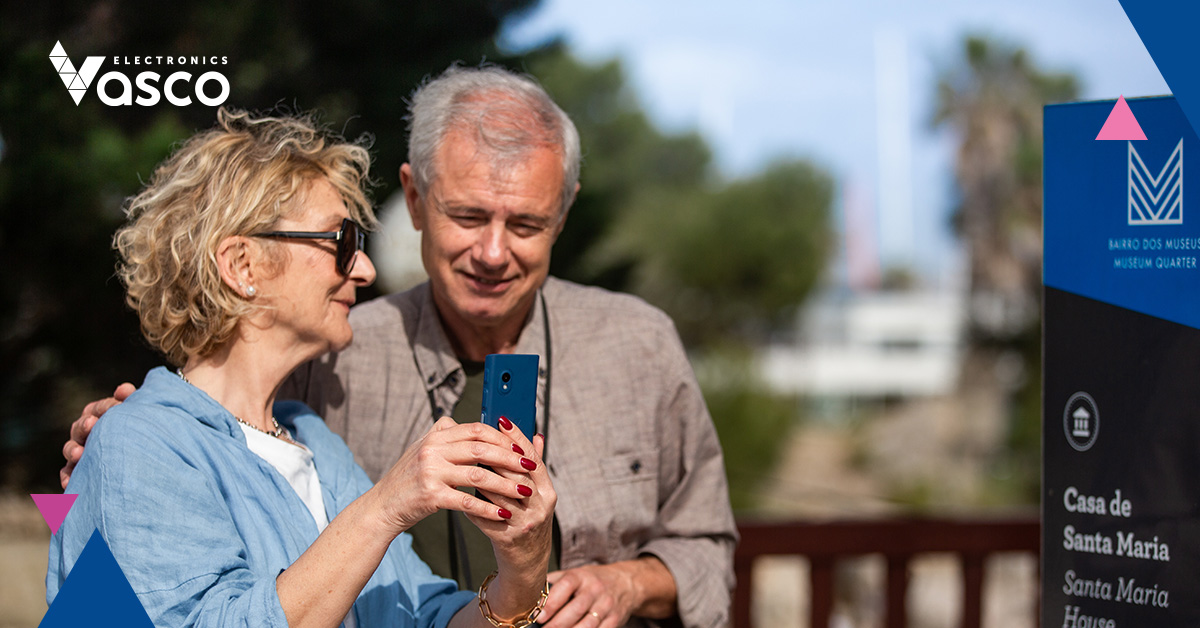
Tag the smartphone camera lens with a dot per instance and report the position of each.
(505, 377)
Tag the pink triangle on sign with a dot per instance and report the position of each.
(1121, 125)
(54, 507)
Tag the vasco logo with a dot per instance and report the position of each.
(79, 80)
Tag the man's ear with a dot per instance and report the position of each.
(412, 200)
(236, 264)
(562, 220)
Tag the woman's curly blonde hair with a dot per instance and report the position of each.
(238, 178)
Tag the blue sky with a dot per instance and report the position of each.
(775, 78)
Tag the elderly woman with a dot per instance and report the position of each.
(241, 258)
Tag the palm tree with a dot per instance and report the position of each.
(992, 99)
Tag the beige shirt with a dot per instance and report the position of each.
(631, 447)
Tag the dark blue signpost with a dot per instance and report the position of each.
(1121, 407)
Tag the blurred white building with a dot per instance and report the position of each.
(877, 344)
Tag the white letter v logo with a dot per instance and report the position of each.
(77, 81)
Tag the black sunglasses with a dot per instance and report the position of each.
(350, 239)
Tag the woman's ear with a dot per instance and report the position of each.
(236, 263)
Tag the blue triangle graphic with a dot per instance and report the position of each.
(96, 593)
(1166, 29)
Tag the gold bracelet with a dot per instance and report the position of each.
(521, 622)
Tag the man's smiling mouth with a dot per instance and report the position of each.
(488, 281)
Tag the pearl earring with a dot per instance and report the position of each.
(250, 291)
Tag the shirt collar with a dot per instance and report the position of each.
(435, 356)
(167, 389)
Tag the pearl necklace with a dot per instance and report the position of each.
(279, 432)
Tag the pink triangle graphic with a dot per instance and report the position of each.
(54, 507)
(1121, 125)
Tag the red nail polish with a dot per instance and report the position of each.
(504, 514)
(543, 437)
(525, 491)
(505, 423)
(528, 464)
(517, 448)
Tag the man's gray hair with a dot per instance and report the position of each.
(509, 115)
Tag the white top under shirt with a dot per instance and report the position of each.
(295, 464)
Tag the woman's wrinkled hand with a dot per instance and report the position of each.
(522, 542)
(427, 477)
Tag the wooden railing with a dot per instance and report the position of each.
(823, 544)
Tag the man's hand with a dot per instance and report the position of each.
(73, 449)
(607, 595)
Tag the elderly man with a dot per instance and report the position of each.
(644, 530)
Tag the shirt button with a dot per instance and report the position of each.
(636, 466)
(431, 378)
(438, 411)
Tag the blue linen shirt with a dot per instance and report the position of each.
(201, 526)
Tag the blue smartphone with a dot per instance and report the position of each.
(510, 391)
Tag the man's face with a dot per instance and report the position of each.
(486, 231)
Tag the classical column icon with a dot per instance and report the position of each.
(1083, 423)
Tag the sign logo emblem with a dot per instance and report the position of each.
(1156, 199)
(77, 81)
(1081, 421)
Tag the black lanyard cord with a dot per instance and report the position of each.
(546, 404)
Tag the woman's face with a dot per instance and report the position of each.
(310, 297)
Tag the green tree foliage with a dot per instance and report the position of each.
(625, 157)
(730, 263)
(727, 260)
(992, 97)
(65, 168)
(752, 422)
